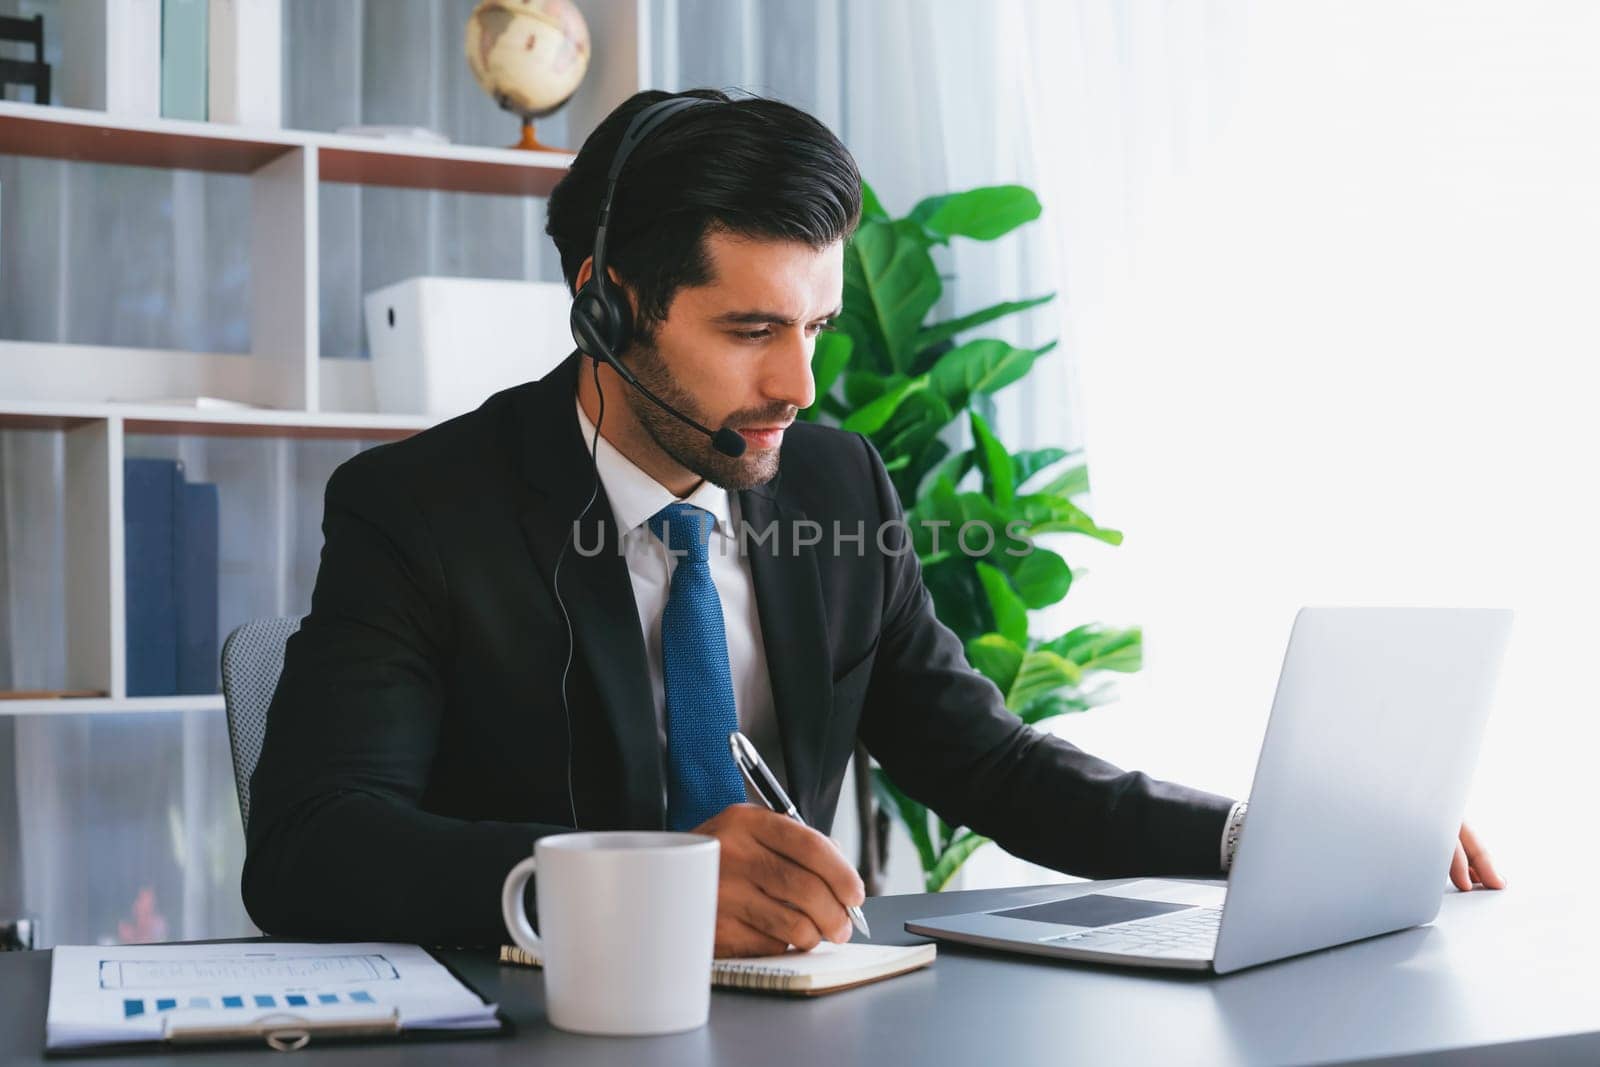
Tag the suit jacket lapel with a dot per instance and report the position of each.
(594, 585)
(794, 633)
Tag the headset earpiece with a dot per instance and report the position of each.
(602, 322)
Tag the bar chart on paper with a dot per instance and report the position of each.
(263, 981)
(106, 994)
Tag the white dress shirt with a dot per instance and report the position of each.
(635, 497)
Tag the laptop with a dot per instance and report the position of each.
(1354, 812)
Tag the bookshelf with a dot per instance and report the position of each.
(98, 397)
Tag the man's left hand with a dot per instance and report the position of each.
(1471, 865)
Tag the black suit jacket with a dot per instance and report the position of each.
(417, 744)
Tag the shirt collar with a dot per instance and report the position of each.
(635, 496)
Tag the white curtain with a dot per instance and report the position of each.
(1352, 359)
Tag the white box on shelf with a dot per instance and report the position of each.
(245, 76)
(441, 346)
(111, 56)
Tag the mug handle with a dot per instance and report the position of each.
(516, 916)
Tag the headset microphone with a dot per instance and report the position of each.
(724, 440)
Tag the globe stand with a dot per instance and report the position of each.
(530, 142)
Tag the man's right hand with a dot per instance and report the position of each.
(781, 883)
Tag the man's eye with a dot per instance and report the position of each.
(757, 335)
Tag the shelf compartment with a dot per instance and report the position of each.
(62, 481)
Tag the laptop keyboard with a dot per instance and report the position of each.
(1191, 933)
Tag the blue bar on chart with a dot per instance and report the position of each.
(135, 1007)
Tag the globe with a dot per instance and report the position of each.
(529, 55)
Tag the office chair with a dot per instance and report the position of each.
(252, 660)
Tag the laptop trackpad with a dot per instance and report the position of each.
(1091, 909)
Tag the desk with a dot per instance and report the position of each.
(1494, 968)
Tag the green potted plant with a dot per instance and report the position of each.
(910, 385)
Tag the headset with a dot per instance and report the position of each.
(602, 326)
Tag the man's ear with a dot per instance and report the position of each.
(586, 268)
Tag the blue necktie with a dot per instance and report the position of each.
(701, 776)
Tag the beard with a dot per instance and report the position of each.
(688, 447)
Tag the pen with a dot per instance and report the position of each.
(761, 779)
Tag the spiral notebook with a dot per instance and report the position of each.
(827, 968)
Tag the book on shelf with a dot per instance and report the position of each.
(150, 505)
(196, 529)
(171, 541)
(183, 59)
(827, 968)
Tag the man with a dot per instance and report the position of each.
(434, 719)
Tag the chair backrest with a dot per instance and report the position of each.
(252, 660)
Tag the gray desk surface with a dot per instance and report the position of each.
(1498, 977)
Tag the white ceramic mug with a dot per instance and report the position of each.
(627, 923)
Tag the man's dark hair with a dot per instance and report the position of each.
(753, 167)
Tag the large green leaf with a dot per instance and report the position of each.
(962, 846)
(1026, 464)
(934, 333)
(936, 514)
(871, 418)
(996, 657)
(1041, 578)
(1041, 672)
(994, 462)
(1098, 648)
(1009, 610)
(912, 430)
(1073, 482)
(890, 285)
(1044, 513)
(979, 367)
(982, 214)
(862, 387)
